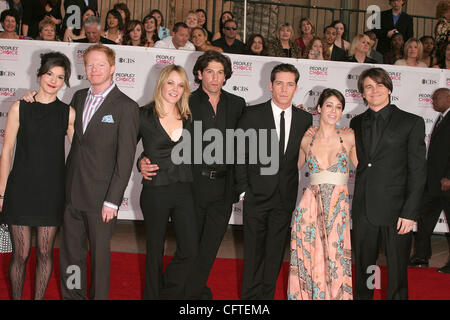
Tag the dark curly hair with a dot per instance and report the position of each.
(210, 55)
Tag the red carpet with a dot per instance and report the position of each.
(127, 279)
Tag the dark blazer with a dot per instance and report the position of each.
(389, 184)
(338, 54)
(438, 163)
(261, 188)
(235, 106)
(100, 160)
(367, 60)
(404, 26)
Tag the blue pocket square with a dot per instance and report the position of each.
(108, 119)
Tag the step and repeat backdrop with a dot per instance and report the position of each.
(137, 70)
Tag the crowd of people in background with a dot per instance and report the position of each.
(394, 43)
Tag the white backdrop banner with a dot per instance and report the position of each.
(137, 70)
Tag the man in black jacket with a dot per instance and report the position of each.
(390, 178)
(269, 197)
(437, 189)
(212, 108)
(393, 21)
(333, 51)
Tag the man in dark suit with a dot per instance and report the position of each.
(228, 42)
(269, 197)
(390, 178)
(214, 195)
(437, 189)
(393, 21)
(97, 172)
(330, 49)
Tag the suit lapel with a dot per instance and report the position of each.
(441, 125)
(294, 132)
(362, 129)
(79, 116)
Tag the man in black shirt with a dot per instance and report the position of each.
(229, 43)
(212, 108)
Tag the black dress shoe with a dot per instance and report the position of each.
(418, 262)
(445, 269)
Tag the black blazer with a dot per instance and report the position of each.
(389, 184)
(338, 54)
(99, 163)
(404, 26)
(367, 60)
(438, 163)
(259, 189)
(235, 106)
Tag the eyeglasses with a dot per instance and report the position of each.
(230, 28)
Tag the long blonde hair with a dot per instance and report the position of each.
(183, 104)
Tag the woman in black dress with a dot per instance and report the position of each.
(164, 125)
(34, 188)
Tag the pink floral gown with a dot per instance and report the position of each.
(320, 266)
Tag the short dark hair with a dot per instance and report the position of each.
(330, 92)
(55, 59)
(11, 13)
(211, 55)
(179, 25)
(230, 20)
(284, 67)
(328, 27)
(379, 75)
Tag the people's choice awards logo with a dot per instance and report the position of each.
(7, 94)
(425, 100)
(123, 79)
(318, 73)
(9, 52)
(242, 68)
(163, 60)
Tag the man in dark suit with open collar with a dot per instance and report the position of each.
(212, 109)
(393, 21)
(98, 168)
(270, 197)
(390, 178)
(437, 189)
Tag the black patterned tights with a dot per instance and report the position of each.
(21, 242)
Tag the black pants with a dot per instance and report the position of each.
(430, 211)
(158, 204)
(265, 234)
(213, 214)
(78, 228)
(365, 241)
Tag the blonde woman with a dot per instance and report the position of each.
(164, 124)
(282, 45)
(412, 54)
(199, 37)
(360, 48)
